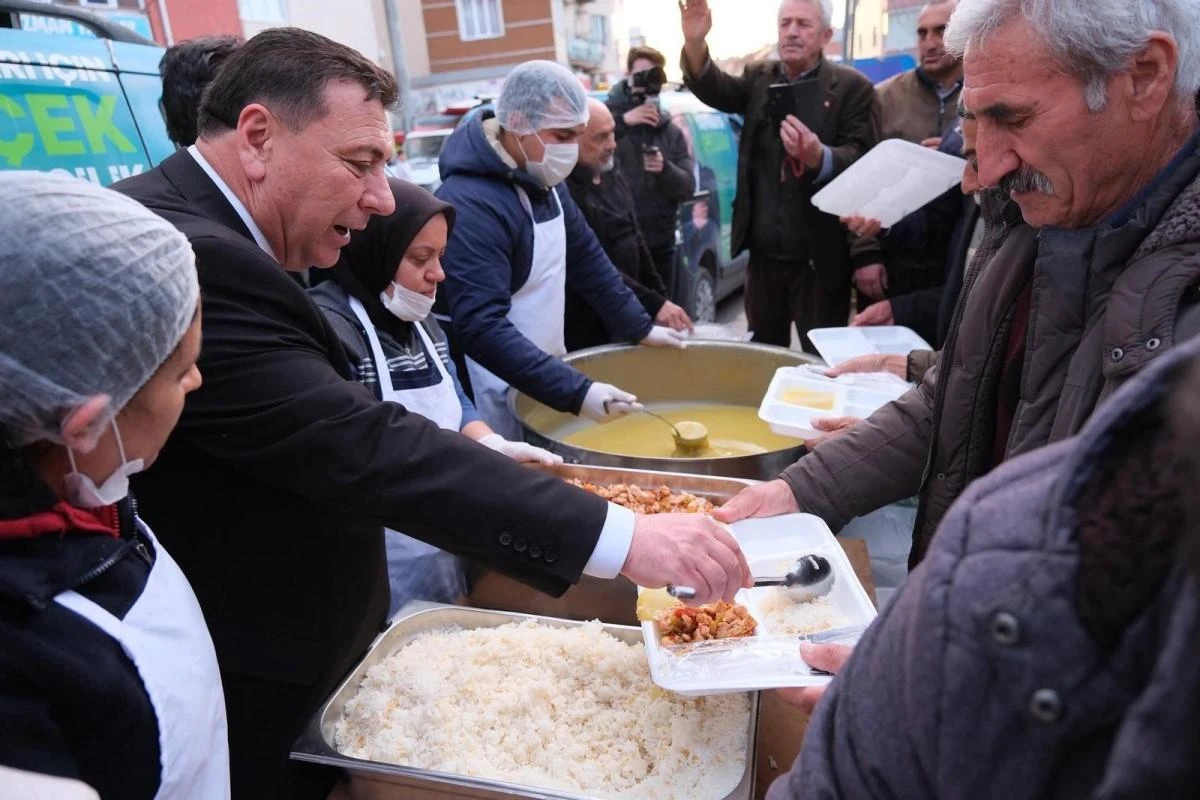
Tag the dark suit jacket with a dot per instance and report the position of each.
(273, 491)
(850, 127)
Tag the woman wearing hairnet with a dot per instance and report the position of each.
(378, 302)
(519, 242)
(107, 672)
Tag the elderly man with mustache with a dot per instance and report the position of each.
(1086, 119)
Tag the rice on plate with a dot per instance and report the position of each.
(570, 709)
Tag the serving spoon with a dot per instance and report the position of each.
(689, 436)
(811, 578)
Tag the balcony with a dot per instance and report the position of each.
(585, 54)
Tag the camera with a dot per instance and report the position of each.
(648, 81)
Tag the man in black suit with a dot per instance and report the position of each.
(273, 491)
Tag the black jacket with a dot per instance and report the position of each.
(608, 208)
(773, 205)
(273, 491)
(657, 196)
(71, 701)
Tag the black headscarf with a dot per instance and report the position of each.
(368, 264)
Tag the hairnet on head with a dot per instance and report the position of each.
(95, 294)
(538, 95)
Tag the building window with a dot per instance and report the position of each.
(600, 29)
(262, 10)
(99, 3)
(479, 19)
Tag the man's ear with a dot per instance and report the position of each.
(82, 428)
(257, 131)
(1150, 81)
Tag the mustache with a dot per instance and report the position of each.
(1026, 179)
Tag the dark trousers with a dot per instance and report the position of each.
(265, 718)
(782, 293)
(664, 264)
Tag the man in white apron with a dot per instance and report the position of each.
(519, 242)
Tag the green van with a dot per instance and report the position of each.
(85, 105)
(705, 271)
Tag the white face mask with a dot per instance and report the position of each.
(406, 304)
(556, 164)
(82, 491)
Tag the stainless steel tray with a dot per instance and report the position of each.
(592, 598)
(716, 489)
(380, 780)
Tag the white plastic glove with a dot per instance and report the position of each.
(520, 451)
(662, 336)
(605, 402)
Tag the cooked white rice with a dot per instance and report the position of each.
(570, 709)
(778, 615)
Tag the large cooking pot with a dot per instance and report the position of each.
(733, 373)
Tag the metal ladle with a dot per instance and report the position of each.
(690, 437)
(812, 578)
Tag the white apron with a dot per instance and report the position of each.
(165, 637)
(536, 311)
(418, 570)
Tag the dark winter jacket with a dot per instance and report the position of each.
(71, 701)
(657, 196)
(489, 258)
(1046, 647)
(773, 214)
(1105, 301)
(608, 208)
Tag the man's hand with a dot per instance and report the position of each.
(829, 657)
(696, 20)
(879, 313)
(865, 227)
(645, 114)
(933, 142)
(654, 162)
(831, 426)
(801, 143)
(895, 364)
(871, 281)
(674, 317)
(687, 550)
(768, 499)
(661, 336)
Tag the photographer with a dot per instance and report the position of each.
(651, 152)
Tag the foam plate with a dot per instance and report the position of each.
(770, 659)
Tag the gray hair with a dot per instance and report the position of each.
(824, 6)
(1093, 39)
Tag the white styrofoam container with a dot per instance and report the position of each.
(837, 345)
(894, 179)
(854, 395)
(765, 660)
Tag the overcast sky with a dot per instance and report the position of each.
(739, 26)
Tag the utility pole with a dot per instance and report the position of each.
(848, 32)
(399, 68)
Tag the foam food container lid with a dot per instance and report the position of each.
(894, 179)
(837, 345)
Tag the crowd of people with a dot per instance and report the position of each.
(312, 454)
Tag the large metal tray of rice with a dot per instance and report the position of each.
(462, 702)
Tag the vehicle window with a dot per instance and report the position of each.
(424, 147)
(62, 108)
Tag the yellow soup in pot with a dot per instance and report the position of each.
(732, 431)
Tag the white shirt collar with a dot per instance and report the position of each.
(237, 204)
